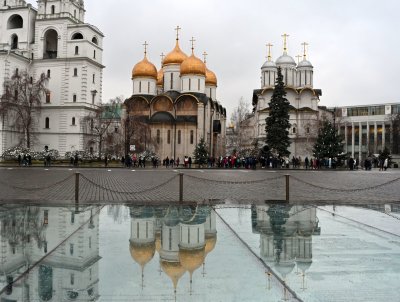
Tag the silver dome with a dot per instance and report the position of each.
(269, 64)
(305, 63)
(286, 59)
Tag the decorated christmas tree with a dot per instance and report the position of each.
(200, 153)
(329, 143)
(277, 123)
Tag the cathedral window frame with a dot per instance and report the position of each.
(169, 137)
(94, 54)
(48, 97)
(148, 87)
(94, 78)
(48, 73)
(198, 84)
(47, 123)
(77, 36)
(73, 121)
(50, 43)
(158, 137)
(95, 40)
(191, 137)
(14, 41)
(53, 9)
(172, 80)
(74, 98)
(76, 50)
(190, 84)
(179, 137)
(75, 72)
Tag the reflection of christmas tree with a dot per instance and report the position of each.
(278, 215)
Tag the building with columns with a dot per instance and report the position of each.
(54, 40)
(305, 112)
(367, 129)
(178, 105)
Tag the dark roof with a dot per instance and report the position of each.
(186, 119)
(162, 117)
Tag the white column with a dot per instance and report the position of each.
(352, 140)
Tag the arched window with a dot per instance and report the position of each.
(76, 50)
(47, 123)
(73, 121)
(48, 73)
(53, 9)
(14, 41)
(75, 72)
(169, 137)
(74, 98)
(15, 21)
(94, 40)
(191, 137)
(179, 136)
(50, 44)
(94, 54)
(77, 36)
(158, 136)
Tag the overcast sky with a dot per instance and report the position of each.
(353, 45)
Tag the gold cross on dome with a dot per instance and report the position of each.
(145, 47)
(269, 45)
(192, 41)
(177, 32)
(162, 57)
(285, 36)
(205, 57)
(304, 44)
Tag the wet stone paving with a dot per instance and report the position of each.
(124, 235)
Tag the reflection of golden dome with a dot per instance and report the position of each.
(142, 253)
(158, 242)
(193, 65)
(211, 78)
(211, 241)
(144, 69)
(160, 77)
(176, 56)
(191, 259)
(174, 271)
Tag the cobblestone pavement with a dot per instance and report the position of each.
(162, 185)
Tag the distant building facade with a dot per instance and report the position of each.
(368, 129)
(178, 104)
(55, 40)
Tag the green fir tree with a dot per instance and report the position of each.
(277, 123)
(329, 143)
(200, 154)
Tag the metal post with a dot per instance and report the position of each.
(287, 186)
(77, 174)
(180, 187)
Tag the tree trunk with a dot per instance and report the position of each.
(28, 138)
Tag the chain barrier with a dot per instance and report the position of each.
(129, 192)
(393, 216)
(38, 188)
(344, 190)
(246, 182)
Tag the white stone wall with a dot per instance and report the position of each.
(193, 83)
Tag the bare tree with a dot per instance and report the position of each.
(239, 139)
(21, 103)
(98, 124)
(137, 132)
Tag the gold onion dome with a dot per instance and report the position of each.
(160, 77)
(193, 65)
(192, 259)
(211, 78)
(174, 271)
(144, 69)
(176, 56)
(142, 253)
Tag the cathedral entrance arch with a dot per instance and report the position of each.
(50, 44)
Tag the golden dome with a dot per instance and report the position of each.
(176, 56)
(211, 241)
(160, 77)
(144, 69)
(142, 253)
(193, 65)
(191, 259)
(174, 271)
(211, 78)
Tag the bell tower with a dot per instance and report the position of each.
(73, 9)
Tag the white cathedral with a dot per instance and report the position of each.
(305, 111)
(55, 40)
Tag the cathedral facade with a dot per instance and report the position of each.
(177, 105)
(53, 40)
(305, 112)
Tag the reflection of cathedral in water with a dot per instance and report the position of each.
(182, 236)
(59, 245)
(286, 236)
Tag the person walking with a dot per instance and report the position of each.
(385, 164)
(306, 162)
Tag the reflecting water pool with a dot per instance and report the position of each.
(199, 253)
